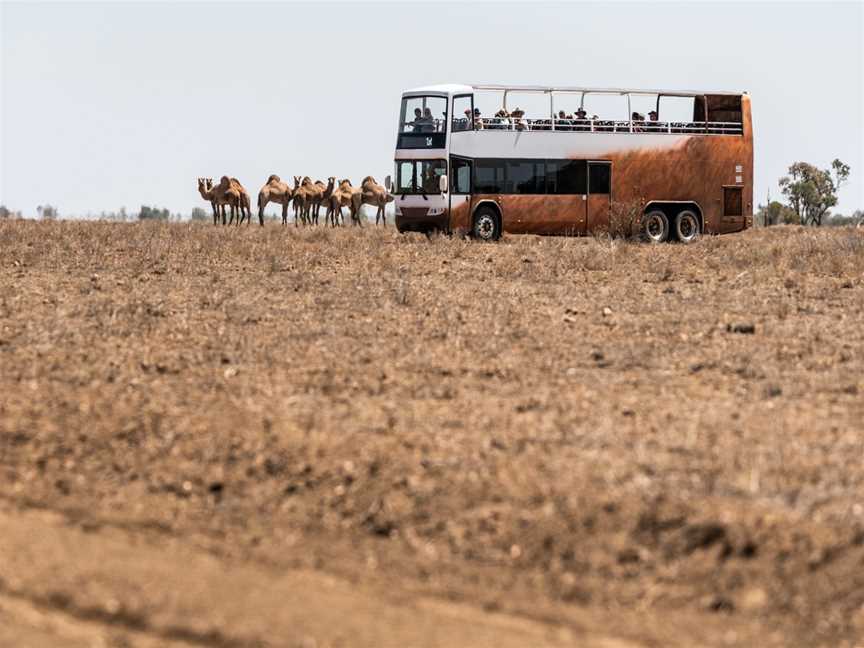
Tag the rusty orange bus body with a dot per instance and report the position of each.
(553, 175)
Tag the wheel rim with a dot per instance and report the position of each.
(485, 227)
(688, 226)
(655, 227)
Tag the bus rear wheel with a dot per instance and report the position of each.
(655, 227)
(687, 227)
(486, 226)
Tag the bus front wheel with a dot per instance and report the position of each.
(655, 226)
(486, 226)
(687, 227)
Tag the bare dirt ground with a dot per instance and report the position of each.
(354, 438)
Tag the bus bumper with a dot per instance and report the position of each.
(422, 219)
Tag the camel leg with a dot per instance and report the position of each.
(222, 208)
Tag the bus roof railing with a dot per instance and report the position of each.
(620, 91)
(600, 125)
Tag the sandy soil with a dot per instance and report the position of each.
(354, 438)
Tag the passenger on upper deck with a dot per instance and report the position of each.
(582, 120)
(478, 121)
(563, 121)
(652, 117)
(519, 121)
(502, 119)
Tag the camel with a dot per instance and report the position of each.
(244, 202)
(315, 193)
(207, 194)
(340, 197)
(274, 190)
(301, 198)
(371, 193)
(223, 194)
(325, 198)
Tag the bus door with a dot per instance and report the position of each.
(733, 209)
(599, 195)
(460, 193)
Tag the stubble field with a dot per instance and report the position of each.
(212, 436)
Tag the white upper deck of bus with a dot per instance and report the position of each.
(425, 110)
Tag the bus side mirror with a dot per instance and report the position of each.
(388, 184)
(442, 183)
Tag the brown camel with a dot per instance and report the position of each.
(315, 191)
(371, 193)
(339, 198)
(245, 201)
(274, 191)
(224, 194)
(325, 198)
(301, 199)
(207, 194)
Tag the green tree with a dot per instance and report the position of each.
(775, 213)
(811, 191)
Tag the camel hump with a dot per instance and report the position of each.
(224, 181)
(273, 178)
(369, 179)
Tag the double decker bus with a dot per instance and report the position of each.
(684, 167)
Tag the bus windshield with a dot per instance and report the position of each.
(423, 115)
(419, 176)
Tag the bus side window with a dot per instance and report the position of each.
(600, 178)
(571, 177)
(460, 178)
(488, 176)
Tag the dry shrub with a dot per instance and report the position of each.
(625, 219)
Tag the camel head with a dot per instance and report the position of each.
(208, 182)
(296, 182)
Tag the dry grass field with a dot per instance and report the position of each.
(289, 437)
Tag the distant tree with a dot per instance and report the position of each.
(47, 212)
(775, 213)
(153, 213)
(811, 191)
(199, 214)
(4, 212)
(839, 220)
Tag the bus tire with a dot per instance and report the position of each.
(655, 226)
(687, 227)
(486, 226)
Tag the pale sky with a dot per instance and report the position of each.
(108, 105)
